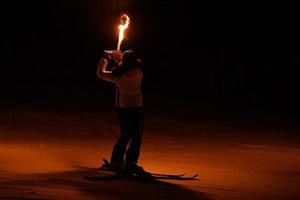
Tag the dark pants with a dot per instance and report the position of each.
(131, 125)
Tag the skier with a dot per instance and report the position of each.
(127, 75)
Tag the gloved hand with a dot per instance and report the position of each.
(117, 55)
(108, 54)
(113, 54)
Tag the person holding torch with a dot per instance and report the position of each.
(127, 76)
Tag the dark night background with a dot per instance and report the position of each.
(242, 56)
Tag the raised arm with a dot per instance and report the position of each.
(104, 74)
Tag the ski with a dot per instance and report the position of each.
(106, 168)
(153, 174)
(138, 178)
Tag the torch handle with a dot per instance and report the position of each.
(119, 45)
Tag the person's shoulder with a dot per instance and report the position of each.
(138, 71)
(135, 72)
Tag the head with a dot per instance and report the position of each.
(130, 60)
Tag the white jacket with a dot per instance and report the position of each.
(128, 92)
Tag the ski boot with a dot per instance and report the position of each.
(136, 170)
(113, 166)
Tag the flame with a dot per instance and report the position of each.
(124, 25)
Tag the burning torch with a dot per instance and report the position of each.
(124, 23)
(125, 20)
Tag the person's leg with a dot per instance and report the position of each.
(133, 152)
(119, 148)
